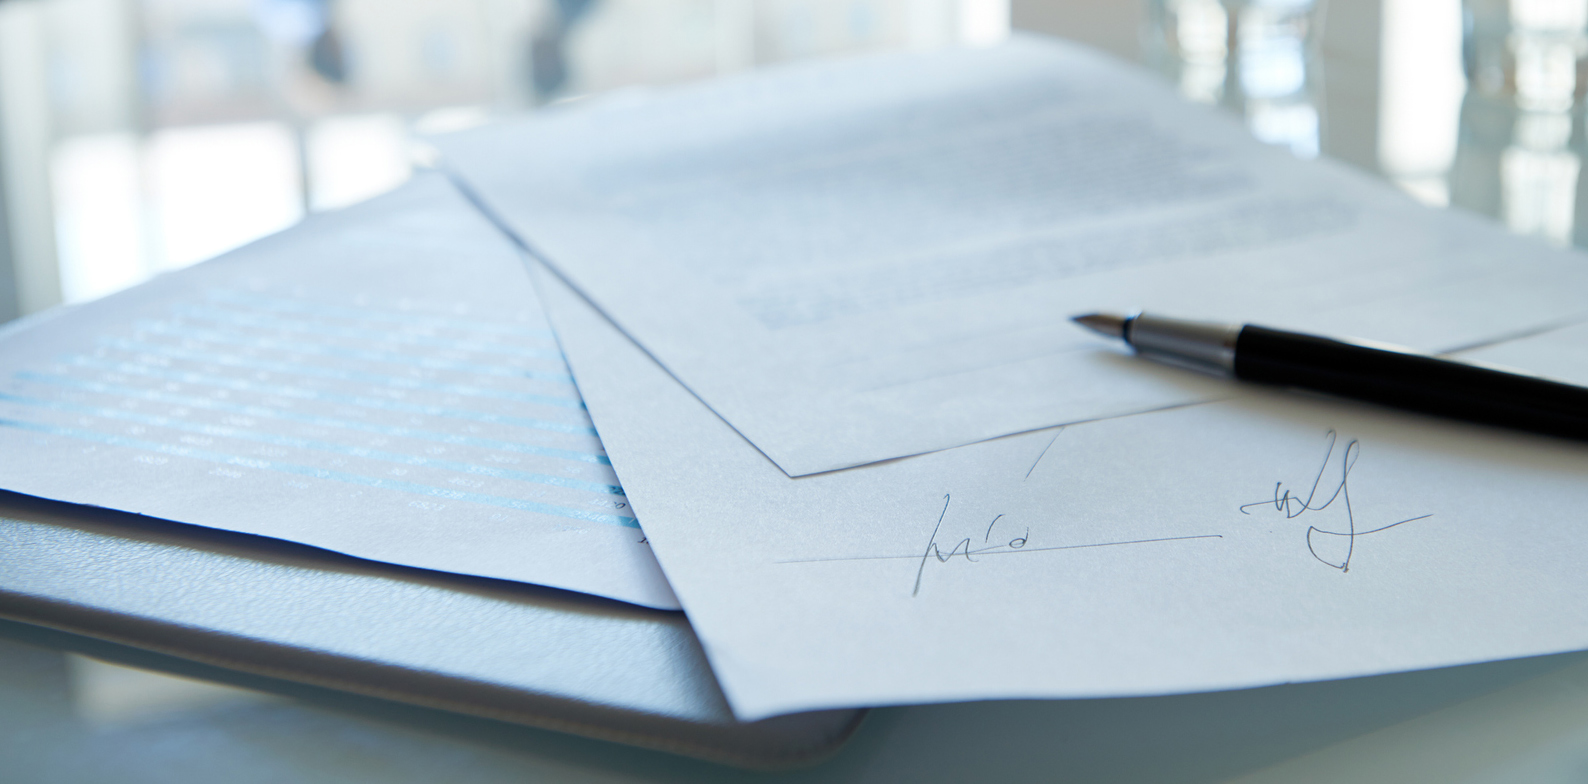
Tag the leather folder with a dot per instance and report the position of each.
(295, 614)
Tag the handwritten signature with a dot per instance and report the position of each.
(1293, 505)
(965, 550)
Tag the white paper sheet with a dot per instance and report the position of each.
(1269, 538)
(862, 260)
(379, 382)
(1560, 354)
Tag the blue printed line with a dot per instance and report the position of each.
(319, 446)
(337, 352)
(274, 323)
(320, 473)
(242, 385)
(313, 419)
(282, 305)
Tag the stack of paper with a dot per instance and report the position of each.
(379, 382)
(818, 315)
(765, 279)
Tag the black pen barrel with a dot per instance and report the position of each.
(1411, 381)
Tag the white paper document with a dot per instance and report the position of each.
(380, 382)
(1560, 354)
(853, 261)
(1272, 537)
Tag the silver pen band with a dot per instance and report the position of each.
(1200, 345)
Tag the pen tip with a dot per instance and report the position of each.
(1105, 324)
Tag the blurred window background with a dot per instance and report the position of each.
(139, 136)
(1476, 104)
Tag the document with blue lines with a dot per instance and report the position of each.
(378, 382)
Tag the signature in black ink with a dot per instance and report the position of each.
(1293, 505)
(966, 550)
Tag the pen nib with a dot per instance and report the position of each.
(1103, 324)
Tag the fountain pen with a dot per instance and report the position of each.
(1381, 374)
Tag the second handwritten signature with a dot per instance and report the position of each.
(1338, 539)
